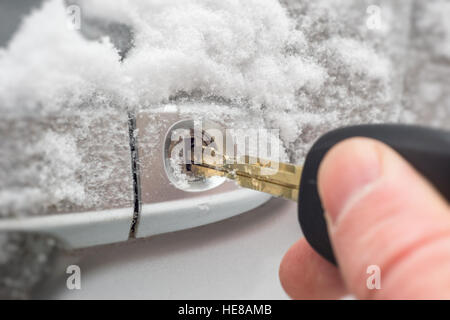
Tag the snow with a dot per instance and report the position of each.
(300, 67)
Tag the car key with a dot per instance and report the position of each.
(426, 149)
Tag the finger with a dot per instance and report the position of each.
(306, 275)
(382, 212)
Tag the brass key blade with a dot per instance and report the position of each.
(276, 178)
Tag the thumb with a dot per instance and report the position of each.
(382, 213)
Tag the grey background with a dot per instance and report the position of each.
(11, 13)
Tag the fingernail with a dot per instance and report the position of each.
(347, 170)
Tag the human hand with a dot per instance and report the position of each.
(380, 212)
